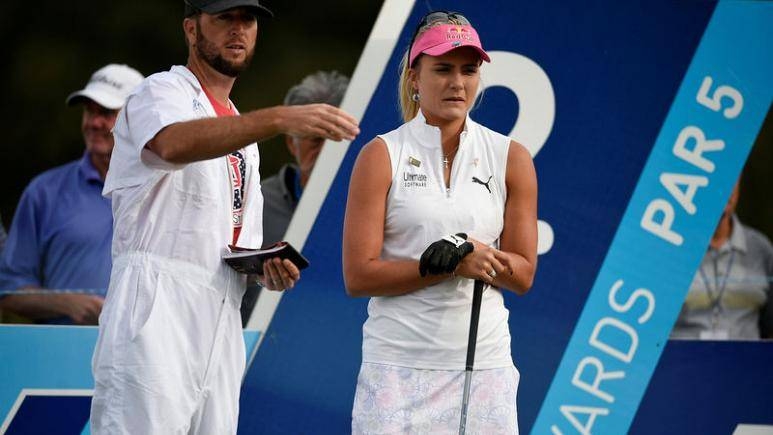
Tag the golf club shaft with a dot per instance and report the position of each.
(472, 340)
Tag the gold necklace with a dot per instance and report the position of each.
(446, 156)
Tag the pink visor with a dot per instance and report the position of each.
(441, 39)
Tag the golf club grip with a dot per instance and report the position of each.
(472, 340)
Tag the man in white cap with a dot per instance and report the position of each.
(185, 184)
(61, 233)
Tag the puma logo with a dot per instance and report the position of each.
(484, 184)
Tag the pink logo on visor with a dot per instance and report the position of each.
(441, 39)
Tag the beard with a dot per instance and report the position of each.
(209, 52)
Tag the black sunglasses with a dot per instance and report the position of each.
(435, 17)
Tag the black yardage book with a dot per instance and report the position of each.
(250, 261)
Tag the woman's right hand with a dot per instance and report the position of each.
(443, 256)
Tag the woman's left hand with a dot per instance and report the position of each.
(484, 263)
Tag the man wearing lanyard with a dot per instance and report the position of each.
(731, 296)
(185, 184)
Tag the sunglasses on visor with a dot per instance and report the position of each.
(437, 17)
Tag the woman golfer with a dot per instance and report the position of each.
(434, 205)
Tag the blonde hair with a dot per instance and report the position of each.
(408, 107)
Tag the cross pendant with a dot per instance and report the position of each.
(445, 161)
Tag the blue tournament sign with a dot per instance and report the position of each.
(45, 378)
(697, 157)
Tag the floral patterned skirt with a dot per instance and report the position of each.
(403, 400)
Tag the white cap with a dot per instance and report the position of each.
(109, 87)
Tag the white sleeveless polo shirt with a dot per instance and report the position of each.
(428, 328)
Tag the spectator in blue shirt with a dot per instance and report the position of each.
(55, 267)
(731, 294)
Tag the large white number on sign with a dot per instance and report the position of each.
(714, 102)
(537, 109)
(536, 101)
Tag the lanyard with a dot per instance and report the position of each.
(720, 289)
